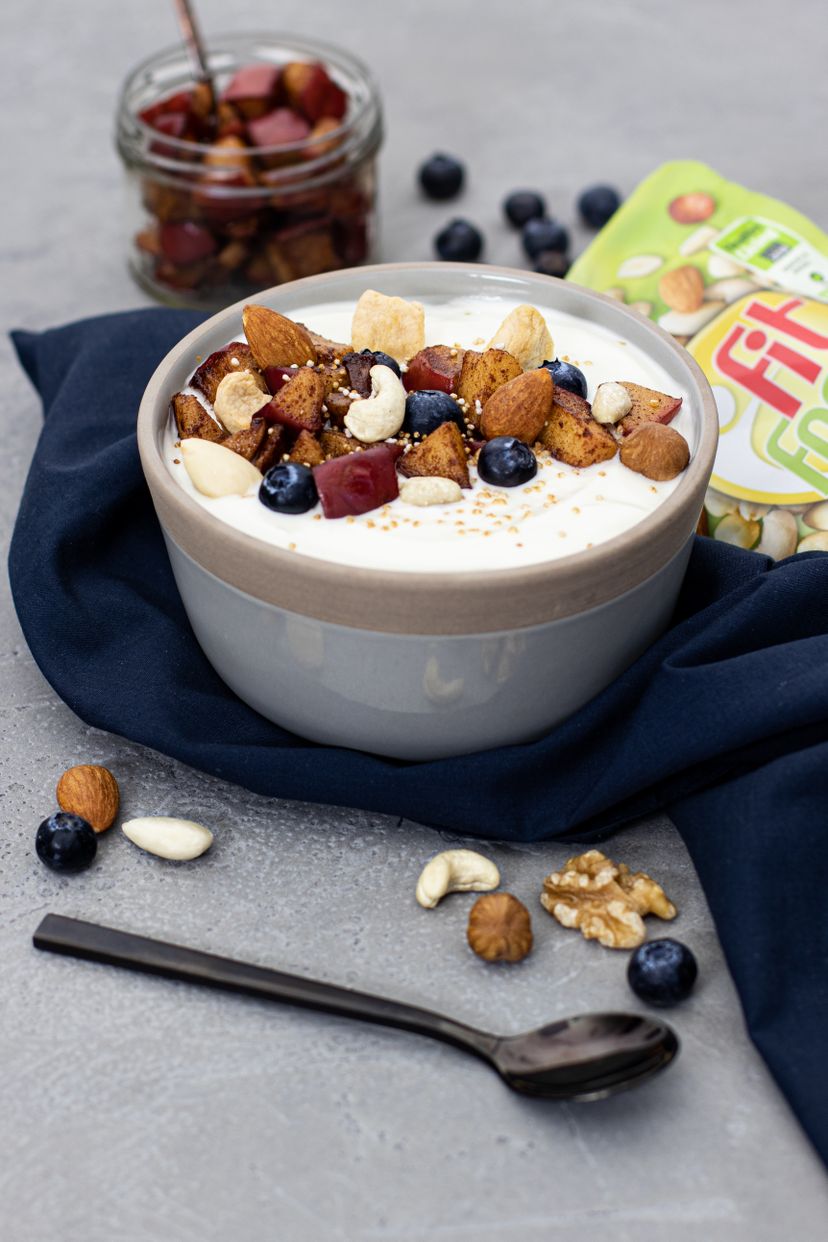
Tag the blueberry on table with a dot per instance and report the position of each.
(597, 204)
(662, 972)
(506, 462)
(544, 234)
(427, 409)
(441, 176)
(66, 842)
(288, 488)
(552, 263)
(567, 376)
(383, 360)
(523, 205)
(459, 242)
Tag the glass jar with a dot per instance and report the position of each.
(223, 205)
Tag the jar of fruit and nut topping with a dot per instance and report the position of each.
(275, 183)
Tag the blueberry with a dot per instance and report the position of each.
(597, 204)
(441, 176)
(459, 241)
(523, 205)
(552, 263)
(66, 842)
(662, 972)
(506, 462)
(428, 409)
(288, 488)
(544, 234)
(567, 376)
(383, 360)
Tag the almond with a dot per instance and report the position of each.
(92, 792)
(217, 471)
(682, 289)
(274, 340)
(656, 451)
(519, 408)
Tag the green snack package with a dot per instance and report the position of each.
(742, 281)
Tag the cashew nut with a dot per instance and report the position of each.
(381, 415)
(455, 871)
(239, 396)
(611, 403)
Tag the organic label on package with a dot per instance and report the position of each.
(742, 281)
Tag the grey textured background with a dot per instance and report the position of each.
(136, 1111)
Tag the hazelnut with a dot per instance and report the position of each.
(656, 451)
(500, 928)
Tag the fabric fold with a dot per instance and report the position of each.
(723, 722)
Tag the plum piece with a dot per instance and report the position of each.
(179, 103)
(253, 90)
(278, 127)
(312, 91)
(358, 367)
(272, 448)
(437, 366)
(185, 242)
(358, 482)
(277, 377)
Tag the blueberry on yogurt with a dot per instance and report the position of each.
(567, 376)
(427, 409)
(288, 488)
(506, 462)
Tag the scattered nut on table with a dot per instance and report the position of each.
(178, 839)
(500, 928)
(90, 791)
(604, 900)
(455, 871)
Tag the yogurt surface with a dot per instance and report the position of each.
(561, 511)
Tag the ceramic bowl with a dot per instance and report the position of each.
(419, 665)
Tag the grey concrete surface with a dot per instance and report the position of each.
(138, 1111)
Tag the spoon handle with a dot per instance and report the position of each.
(77, 938)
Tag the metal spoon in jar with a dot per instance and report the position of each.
(195, 50)
(579, 1058)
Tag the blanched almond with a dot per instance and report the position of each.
(178, 839)
(217, 471)
(430, 490)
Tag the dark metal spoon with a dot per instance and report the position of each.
(194, 44)
(580, 1058)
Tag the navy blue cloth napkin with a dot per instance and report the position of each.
(723, 723)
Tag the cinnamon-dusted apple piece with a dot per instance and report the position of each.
(271, 449)
(648, 406)
(327, 352)
(193, 421)
(299, 404)
(519, 408)
(338, 404)
(248, 441)
(481, 375)
(275, 340)
(233, 357)
(435, 367)
(307, 450)
(336, 444)
(572, 435)
(442, 453)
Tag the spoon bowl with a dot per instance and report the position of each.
(585, 1057)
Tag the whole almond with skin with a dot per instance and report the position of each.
(519, 408)
(274, 340)
(90, 791)
(656, 451)
(682, 289)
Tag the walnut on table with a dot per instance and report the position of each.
(604, 900)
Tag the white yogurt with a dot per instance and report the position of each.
(561, 511)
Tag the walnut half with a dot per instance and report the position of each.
(605, 900)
